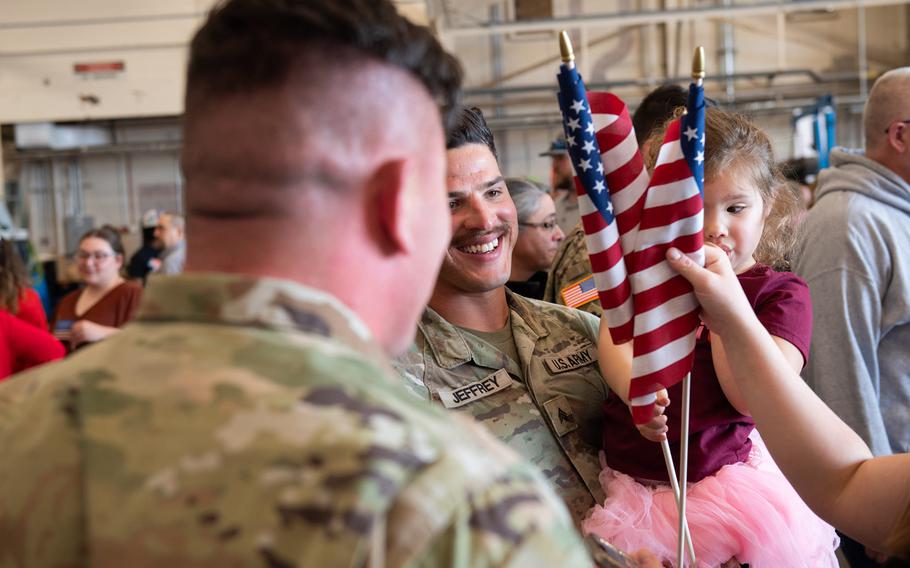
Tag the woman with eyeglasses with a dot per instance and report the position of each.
(538, 238)
(106, 302)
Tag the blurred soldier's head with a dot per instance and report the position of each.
(886, 119)
(483, 218)
(314, 150)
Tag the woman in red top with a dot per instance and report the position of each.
(107, 302)
(15, 295)
(24, 341)
(17, 299)
(23, 345)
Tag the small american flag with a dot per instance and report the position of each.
(611, 184)
(579, 293)
(630, 223)
(666, 311)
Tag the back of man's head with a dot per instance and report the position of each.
(247, 45)
(888, 102)
(314, 151)
(656, 108)
(315, 91)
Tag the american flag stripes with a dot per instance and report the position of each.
(611, 181)
(666, 311)
(629, 224)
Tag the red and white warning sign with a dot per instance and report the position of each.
(96, 68)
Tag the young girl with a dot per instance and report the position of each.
(740, 508)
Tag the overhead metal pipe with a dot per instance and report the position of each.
(604, 86)
(552, 119)
(33, 24)
(658, 16)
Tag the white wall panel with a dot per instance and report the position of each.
(42, 40)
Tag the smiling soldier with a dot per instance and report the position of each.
(525, 369)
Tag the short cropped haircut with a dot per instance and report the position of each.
(887, 102)
(470, 128)
(248, 45)
(656, 108)
(526, 197)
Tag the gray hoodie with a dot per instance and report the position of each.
(855, 255)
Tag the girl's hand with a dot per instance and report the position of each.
(656, 429)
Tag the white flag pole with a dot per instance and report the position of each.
(683, 467)
(698, 74)
(671, 473)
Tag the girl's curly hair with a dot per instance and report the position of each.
(735, 143)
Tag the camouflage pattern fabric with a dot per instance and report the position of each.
(570, 265)
(547, 406)
(252, 422)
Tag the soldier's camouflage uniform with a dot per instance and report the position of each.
(547, 406)
(571, 265)
(251, 422)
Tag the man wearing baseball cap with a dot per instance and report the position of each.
(561, 174)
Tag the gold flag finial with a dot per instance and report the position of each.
(698, 63)
(565, 47)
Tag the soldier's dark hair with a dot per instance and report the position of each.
(109, 234)
(470, 128)
(656, 108)
(247, 45)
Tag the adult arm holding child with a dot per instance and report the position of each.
(828, 464)
(725, 375)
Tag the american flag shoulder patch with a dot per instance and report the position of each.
(579, 293)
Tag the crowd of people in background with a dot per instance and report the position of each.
(433, 384)
(106, 298)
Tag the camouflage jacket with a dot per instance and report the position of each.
(253, 422)
(571, 266)
(547, 406)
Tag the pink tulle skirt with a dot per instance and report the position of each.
(747, 511)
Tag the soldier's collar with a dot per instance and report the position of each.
(527, 311)
(449, 346)
(270, 303)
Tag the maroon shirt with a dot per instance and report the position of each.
(718, 434)
(115, 309)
